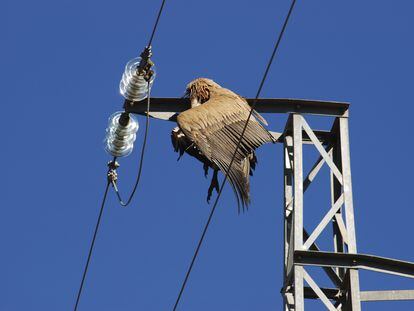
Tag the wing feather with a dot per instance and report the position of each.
(215, 127)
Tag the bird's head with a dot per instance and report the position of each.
(199, 90)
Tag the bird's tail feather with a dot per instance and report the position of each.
(239, 178)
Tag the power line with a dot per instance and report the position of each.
(92, 245)
(234, 155)
(111, 180)
(282, 31)
(156, 23)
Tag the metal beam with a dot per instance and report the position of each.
(314, 170)
(329, 270)
(353, 301)
(318, 291)
(385, 295)
(289, 302)
(341, 227)
(323, 136)
(170, 106)
(355, 261)
(366, 296)
(323, 223)
(340, 234)
(298, 209)
(288, 220)
(312, 174)
(331, 293)
(321, 150)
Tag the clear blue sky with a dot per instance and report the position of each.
(61, 62)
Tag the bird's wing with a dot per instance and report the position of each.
(215, 127)
(179, 141)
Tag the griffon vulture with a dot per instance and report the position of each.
(211, 129)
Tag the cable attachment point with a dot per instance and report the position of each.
(112, 174)
(146, 64)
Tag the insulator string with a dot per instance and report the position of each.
(149, 84)
(141, 162)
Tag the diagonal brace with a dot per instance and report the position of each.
(318, 291)
(324, 222)
(322, 151)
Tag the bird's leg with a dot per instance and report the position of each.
(205, 167)
(213, 185)
(215, 181)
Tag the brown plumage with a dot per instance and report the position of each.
(210, 131)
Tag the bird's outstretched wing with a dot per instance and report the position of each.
(215, 127)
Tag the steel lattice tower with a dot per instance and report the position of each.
(300, 248)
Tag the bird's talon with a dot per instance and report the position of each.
(205, 167)
(209, 197)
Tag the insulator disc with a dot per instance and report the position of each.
(133, 86)
(119, 140)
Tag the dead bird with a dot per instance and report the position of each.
(211, 129)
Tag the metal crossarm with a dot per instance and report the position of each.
(167, 108)
(359, 261)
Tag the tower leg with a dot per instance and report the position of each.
(298, 209)
(335, 154)
(288, 299)
(353, 296)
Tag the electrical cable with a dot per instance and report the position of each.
(121, 202)
(92, 245)
(156, 23)
(234, 155)
(111, 181)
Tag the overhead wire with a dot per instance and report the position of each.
(110, 181)
(156, 23)
(92, 245)
(200, 242)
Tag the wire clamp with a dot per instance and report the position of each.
(112, 174)
(146, 64)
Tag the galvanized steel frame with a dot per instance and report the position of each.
(300, 248)
(293, 217)
(341, 265)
